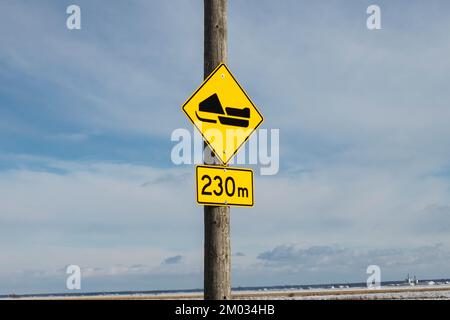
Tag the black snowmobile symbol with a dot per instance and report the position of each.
(233, 117)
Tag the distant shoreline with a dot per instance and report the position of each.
(406, 292)
(390, 290)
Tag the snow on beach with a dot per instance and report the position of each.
(397, 292)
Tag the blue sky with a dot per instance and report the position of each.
(86, 117)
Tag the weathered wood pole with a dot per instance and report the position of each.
(217, 254)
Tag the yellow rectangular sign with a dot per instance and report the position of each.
(224, 186)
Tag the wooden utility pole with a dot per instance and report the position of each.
(217, 254)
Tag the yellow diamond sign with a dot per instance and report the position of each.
(223, 113)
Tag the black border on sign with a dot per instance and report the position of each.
(220, 203)
(193, 122)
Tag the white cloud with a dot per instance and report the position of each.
(340, 262)
(96, 205)
(112, 216)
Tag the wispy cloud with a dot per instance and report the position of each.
(314, 257)
(173, 260)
